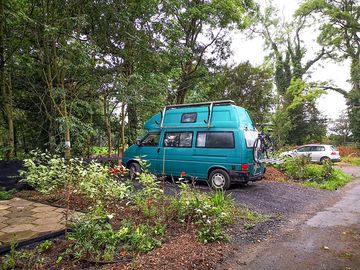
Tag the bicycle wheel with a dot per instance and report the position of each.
(269, 147)
(257, 150)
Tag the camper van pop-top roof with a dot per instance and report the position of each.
(201, 115)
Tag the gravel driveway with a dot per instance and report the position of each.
(310, 228)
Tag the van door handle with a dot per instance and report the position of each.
(158, 150)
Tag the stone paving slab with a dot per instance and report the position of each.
(22, 220)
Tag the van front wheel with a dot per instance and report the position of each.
(219, 179)
(134, 170)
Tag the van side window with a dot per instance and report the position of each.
(215, 140)
(151, 140)
(178, 139)
(188, 117)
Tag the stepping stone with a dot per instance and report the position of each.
(18, 228)
(19, 202)
(20, 209)
(20, 220)
(10, 237)
(46, 215)
(2, 219)
(4, 212)
(48, 228)
(42, 221)
(4, 206)
(43, 209)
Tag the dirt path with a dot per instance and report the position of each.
(328, 238)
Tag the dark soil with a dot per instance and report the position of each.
(57, 198)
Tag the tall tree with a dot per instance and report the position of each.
(196, 33)
(340, 28)
(288, 53)
(250, 87)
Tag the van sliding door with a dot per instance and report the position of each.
(175, 155)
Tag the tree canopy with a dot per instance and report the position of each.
(80, 74)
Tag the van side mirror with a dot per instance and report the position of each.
(138, 142)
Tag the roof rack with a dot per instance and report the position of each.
(210, 105)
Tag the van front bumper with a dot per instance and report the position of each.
(241, 176)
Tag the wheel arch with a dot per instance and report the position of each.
(212, 168)
(130, 162)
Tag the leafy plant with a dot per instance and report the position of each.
(6, 194)
(323, 176)
(93, 236)
(251, 218)
(210, 212)
(46, 245)
(46, 172)
(9, 261)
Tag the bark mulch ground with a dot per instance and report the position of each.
(273, 174)
(180, 248)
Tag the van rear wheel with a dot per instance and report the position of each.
(219, 179)
(134, 170)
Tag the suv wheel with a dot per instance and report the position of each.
(324, 159)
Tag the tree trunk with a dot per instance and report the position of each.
(184, 84)
(107, 126)
(122, 129)
(6, 91)
(182, 90)
(7, 95)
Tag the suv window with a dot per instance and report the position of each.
(151, 140)
(317, 148)
(178, 139)
(304, 149)
(215, 139)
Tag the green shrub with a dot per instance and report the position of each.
(351, 160)
(323, 176)
(210, 212)
(44, 172)
(94, 237)
(337, 179)
(47, 173)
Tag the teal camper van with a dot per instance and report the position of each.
(209, 141)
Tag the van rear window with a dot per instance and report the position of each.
(215, 140)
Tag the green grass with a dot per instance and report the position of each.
(252, 218)
(338, 179)
(351, 160)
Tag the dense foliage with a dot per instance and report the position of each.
(90, 73)
(323, 176)
(46, 173)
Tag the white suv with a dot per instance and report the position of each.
(316, 152)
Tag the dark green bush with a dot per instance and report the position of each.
(323, 176)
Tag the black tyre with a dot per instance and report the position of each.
(325, 159)
(257, 150)
(134, 170)
(219, 179)
(270, 152)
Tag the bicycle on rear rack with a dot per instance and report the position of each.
(263, 147)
